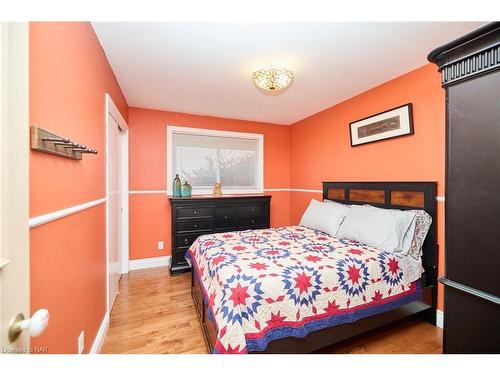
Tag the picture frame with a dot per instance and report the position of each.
(393, 123)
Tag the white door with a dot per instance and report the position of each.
(117, 198)
(14, 188)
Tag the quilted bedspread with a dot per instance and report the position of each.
(262, 285)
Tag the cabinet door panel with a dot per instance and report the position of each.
(225, 217)
(471, 324)
(473, 197)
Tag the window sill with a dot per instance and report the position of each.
(227, 193)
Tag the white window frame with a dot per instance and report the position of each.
(171, 130)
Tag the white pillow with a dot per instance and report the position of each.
(325, 217)
(383, 229)
(340, 204)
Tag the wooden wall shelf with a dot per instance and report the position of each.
(44, 141)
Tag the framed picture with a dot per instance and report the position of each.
(395, 122)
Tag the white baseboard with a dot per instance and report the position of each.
(439, 318)
(140, 264)
(101, 335)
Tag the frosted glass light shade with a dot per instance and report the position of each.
(272, 79)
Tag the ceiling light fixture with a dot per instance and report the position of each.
(272, 79)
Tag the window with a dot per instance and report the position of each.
(203, 157)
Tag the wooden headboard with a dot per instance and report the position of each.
(400, 195)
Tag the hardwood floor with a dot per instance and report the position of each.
(409, 336)
(154, 313)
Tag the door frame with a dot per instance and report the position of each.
(112, 109)
(14, 169)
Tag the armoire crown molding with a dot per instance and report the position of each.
(478, 63)
(471, 55)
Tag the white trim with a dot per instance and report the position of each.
(238, 193)
(111, 109)
(147, 192)
(439, 319)
(51, 216)
(307, 190)
(438, 198)
(14, 177)
(125, 215)
(171, 129)
(101, 335)
(140, 264)
(106, 136)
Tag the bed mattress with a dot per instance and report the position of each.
(263, 285)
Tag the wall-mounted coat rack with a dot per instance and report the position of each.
(45, 141)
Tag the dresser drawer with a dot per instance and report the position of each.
(186, 240)
(190, 212)
(194, 225)
(225, 217)
(252, 221)
(254, 209)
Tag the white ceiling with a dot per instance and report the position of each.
(205, 68)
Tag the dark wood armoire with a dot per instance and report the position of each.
(470, 74)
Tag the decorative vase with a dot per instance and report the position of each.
(176, 186)
(186, 189)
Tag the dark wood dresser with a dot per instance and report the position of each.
(470, 74)
(192, 217)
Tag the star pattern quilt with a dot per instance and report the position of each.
(263, 285)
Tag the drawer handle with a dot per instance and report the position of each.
(186, 241)
(253, 209)
(225, 217)
(253, 221)
(194, 212)
(196, 226)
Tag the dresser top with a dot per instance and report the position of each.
(225, 196)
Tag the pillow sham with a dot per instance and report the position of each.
(383, 229)
(415, 236)
(325, 217)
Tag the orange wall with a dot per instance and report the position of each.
(69, 75)
(150, 213)
(320, 149)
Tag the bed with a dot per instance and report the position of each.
(296, 290)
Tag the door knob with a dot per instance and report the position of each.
(35, 326)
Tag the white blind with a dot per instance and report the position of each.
(203, 160)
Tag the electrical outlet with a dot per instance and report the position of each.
(161, 245)
(81, 342)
